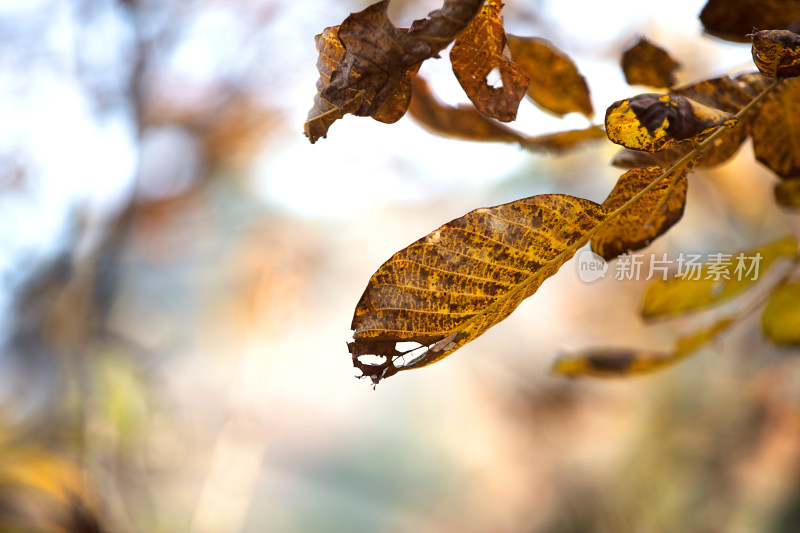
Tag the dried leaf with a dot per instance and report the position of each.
(787, 193)
(555, 83)
(479, 50)
(653, 122)
(781, 318)
(462, 122)
(728, 95)
(701, 288)
(647, 64)
(647, 218)
(776, 130)
(465, 122)
(366, 64)
(622, 362)
(777, 53)
(562, 141)
(451, 286)
(626, 158)
(734, 19)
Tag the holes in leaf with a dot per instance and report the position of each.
(372, 360)
(494, 79)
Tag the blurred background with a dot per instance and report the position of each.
(179, 267)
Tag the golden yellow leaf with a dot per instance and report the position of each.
(366, 63)
(701, 287)
(787, 193)
(781, 318)
(479, 50)
(465, 122)
(653, 122)
(451, 286)
(776, 53)
(555, 83)
(626, 158)
(623, 362)
(735, 19)
(647, 64)
(647, 218)
(776, 130)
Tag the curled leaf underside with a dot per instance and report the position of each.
(366, 63)
(451, 286)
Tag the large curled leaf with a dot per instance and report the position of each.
(555, 83)
(479, 50)
(451, 286)
(623, 362)
(647, 218)
(787, 193)
(781, 318)
(702, 288)
(776, 130)
(722, 93)
(734, 19)
(366, 64)
(465, 122)
(777, 53)
(647, 64)
(654, 122)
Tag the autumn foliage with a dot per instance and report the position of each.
(454, 284)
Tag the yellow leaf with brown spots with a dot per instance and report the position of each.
(451, 286)
(781, 318)
(776, 130)
(647, 218)
(647, 64)
(776, 53)
(787, 193)
(555, 83)
(624, 362)
(465, 122)
(713, 282)
(480, 49)
(366, 63)
(654, 122)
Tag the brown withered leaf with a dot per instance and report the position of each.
(701, 288)
(787, 193)
(654, 122)
(776, 53)
(781, 318)
(462, 122)
(776, 130)
(481, 48)
(555, 83)
(366, 63)
(734, 19)
(647, 64)
(465, 122)
(562, 141)
(752, 83)
(623, 362)
(648, 218)
(451, 286)
(626, 158)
